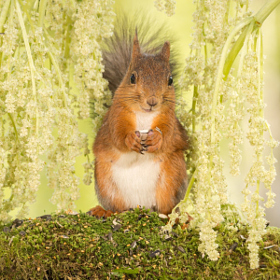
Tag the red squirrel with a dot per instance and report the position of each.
(131, 171)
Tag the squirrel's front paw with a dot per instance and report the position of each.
(153, 141)
(133, 142)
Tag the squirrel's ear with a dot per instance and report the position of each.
(165, 51)
(136, 48)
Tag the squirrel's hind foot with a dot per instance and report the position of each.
(99, 212)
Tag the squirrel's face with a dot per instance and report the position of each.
(148, 83)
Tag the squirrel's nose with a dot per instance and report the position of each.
(152, 101)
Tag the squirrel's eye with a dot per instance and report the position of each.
(170, 81)
(132, 79)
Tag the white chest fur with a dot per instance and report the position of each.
(144, 120)
(135, 174)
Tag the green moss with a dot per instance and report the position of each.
(83, 247)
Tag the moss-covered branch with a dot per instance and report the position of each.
(128, 245)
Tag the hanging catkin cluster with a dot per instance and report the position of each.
(43, 46)
(222, 97)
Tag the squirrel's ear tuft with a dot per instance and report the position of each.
(136, 47)
(165, 51)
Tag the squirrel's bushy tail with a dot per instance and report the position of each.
(117, 49)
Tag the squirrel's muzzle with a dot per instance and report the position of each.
(152, 101)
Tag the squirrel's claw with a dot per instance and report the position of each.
(144, 148)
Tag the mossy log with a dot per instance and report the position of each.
(129, 245)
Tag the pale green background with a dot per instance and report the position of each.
(180, 25)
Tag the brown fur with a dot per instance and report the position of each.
(117, 134)
(117, 50)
